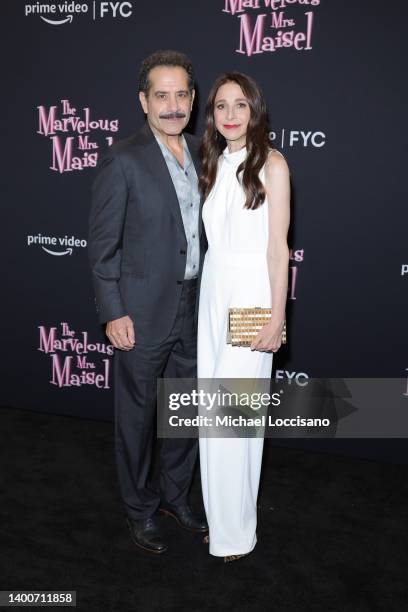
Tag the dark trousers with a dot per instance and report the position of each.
(136, 372)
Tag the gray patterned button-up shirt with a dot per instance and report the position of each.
(185, 182)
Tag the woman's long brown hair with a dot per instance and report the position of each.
(257, 142)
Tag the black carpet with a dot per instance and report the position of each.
(332, 530)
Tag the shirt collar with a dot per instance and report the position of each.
(168, 155)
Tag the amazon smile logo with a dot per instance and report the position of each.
(54, 245)
(58, 21)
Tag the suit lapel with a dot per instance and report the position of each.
(197, 164)
(194, 154)
(158, 165)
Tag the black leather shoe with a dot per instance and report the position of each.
(146, 535)
(185, 518)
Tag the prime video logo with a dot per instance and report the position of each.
(60, 13)
(298, 138)
(54, 245)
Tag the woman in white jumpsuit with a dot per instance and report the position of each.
(246, 222)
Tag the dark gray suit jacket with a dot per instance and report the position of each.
(137, 244)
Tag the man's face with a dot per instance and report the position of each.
(168, 104)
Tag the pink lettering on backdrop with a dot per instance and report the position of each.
(72, 134)
(296, 256)
(262, 32)
(74, 360)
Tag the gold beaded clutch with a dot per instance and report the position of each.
(245, 323)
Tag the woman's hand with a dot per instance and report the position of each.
(269, 337)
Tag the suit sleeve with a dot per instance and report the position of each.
(106, 221)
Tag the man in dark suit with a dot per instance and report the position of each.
(144, 245)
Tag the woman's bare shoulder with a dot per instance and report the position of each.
(276, 163)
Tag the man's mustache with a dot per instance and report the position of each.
(176, 115)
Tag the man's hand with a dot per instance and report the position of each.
(121, 333)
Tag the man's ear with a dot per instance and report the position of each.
(192, 97)
(143, 101)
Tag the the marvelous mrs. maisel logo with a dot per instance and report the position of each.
(74, 135)
(272, 25)
(75, 360)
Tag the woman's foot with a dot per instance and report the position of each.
(230, 558)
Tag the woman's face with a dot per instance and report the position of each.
(232, 113)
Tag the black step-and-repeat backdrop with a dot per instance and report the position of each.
(332, 75)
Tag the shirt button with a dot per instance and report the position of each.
(193, 235)
(190, 204)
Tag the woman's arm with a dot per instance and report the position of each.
(277, 186)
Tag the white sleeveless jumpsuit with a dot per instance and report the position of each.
(235, 274)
